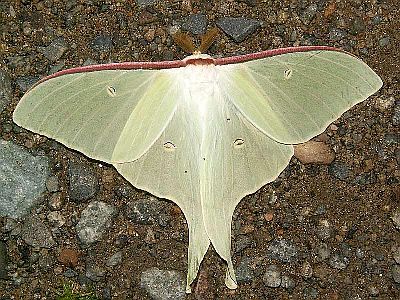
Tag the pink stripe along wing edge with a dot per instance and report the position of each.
(182, 63)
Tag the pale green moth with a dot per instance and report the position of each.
(202, 132)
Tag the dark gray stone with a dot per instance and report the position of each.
(365, 178)
(324, 230)
(384, 41)
(357, 26)
(309, 13)
(144, 3)
(69, 273)
(26, 82)
(244, 270)
(52, 184)
(107, 294)
(306, 270)
(346, 249)
(391, 139)
(3, 260)
(144, 211)
(114, 259)
(163, 284)
(396, 273)
(336, 34)
(323, 252)
(339, 170)
(238, 28)
(46, 262)
(250, 2)
(83, 183)
(310, 293)
(5, 89)
(395, 117)
(102, 43)
(22, 179)
(57, 67)
(36, 234)
(95, 219)
(287, 282)
(377, 19)
(196, 24)
(396, 254)
(55, 50)
(95, 272)
(242, 242)
(283, 250)
(396, 218)
(338, 261)
(272, 276)
(397, 155)
(373, 291)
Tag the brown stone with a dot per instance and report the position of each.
(314, 152)
(68, 257)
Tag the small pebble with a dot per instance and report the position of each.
(5, 89)
(309, 13)
(357, 26)
(94, 221)
(69, 273)
(396, 218)
(373, 291)
(56, 201)
(36, 234)
(55, 50)
(314, 152)
(144, 211)
(377, 19)
(149, 35)
(83, 183)
(272, 276)
(306, 270)
(384, 41)
(287, 282)
(242, 242)
(336, 34)
(144, 3)
(310, 293)
(52, 184)
(68, 257)
(396, 253)
(26, 82)
(195, 24)
(56, 219)
(283, 250)
(396, 115)
(238, 28)
(244, 270)
(338, 261)
(114, 259)
(396, 273)
(339, 170)
(269, 216)
(384, 103)
(95, 272)
(163, 284)
(150, 237)
(102, 43)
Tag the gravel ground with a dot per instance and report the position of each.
(320, 231)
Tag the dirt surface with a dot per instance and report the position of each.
(358, 208)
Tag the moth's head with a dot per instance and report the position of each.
(198, 59)
(184, 41)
